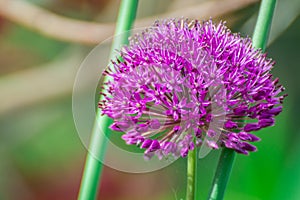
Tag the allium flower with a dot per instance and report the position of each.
(183, 83)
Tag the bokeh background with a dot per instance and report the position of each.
(42, 44)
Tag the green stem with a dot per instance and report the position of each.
(263, 24)
(222, 174)
(260, 37)
(98, 142)
(191, 175)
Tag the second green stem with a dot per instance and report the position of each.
(222, 174)
(259, 40)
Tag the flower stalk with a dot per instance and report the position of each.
(263, 24)
(259, 40)
(191, 174)
(96, 152)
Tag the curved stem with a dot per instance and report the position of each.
(260, 37)
(99, 138)
(191, 175)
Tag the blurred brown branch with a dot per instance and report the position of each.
(71, 30)
(41, 83)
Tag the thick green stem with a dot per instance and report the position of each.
(222, 174)
(260, 37)
(191, 175)
(98, 142)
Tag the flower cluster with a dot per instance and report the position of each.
(184, 83)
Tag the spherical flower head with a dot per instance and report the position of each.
(183, 83)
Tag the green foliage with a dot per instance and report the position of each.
(44, 137)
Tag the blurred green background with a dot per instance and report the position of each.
(41, 154)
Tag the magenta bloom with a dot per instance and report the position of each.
(182, 84)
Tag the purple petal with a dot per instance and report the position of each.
(230, 125)
(154, 146)
(148, 155)
(275, 111)
(146, 144)
(251, 127)
(175, 116)
(154, 124)
(211, 133)
(168, 147)
(176, 128)
(240, 111)
(212, 144)
(248, 137)
(184, 152)
(175, 99)
(248, 147)
(230, 145)
(169, 112)
(242, 151)
(259, 96)
(266, 122)
(182, 103)
(233, 137)
(198, 132)
(141, 128)
(191, 146)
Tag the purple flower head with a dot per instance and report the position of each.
(184, 83)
